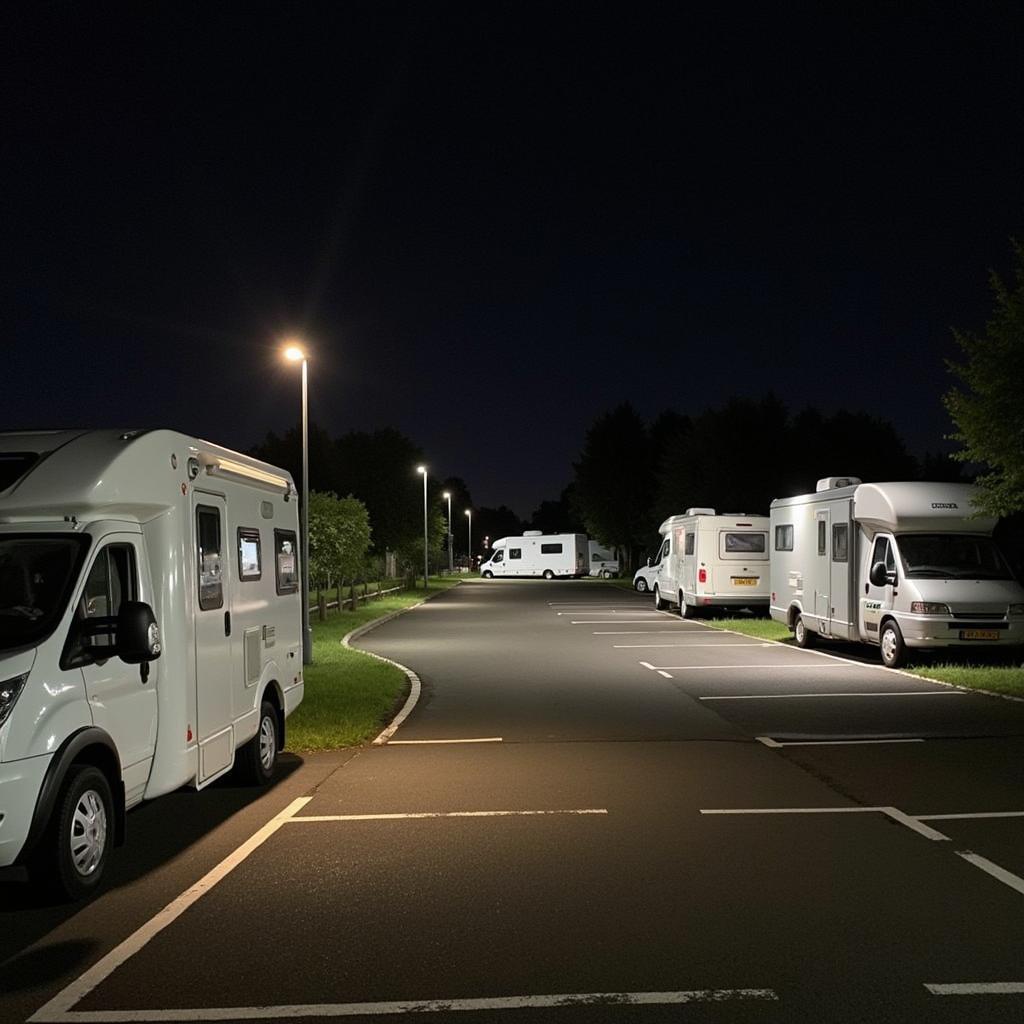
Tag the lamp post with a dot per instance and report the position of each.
(294, 353)
(469, 537)
(423, 470)
(448, 497)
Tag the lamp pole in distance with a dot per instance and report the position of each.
(423, 470)
(469, 540)
(448, 498)
(295, 353)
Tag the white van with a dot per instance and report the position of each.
(538, 554)
(150, 626)
(712, 561)
(603, 562)
(900, 565)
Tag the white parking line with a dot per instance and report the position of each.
(769, 742)
(907, 820)
(733, 668)
(662, 672)
(413, 743)
(799, 696)
(973, 814)
(1000, 874)
(609, 622)
(976, 988)
(296, 1010)
(418, 815)
(639, 632)
(641, 647)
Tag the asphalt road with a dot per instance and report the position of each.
(594, 813)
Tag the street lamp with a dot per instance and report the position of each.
(423, 470)
(469, 537)
(447, 496)
(294, 353)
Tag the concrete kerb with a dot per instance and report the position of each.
(415, 686)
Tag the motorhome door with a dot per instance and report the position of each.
(822, 571)
(213, 635)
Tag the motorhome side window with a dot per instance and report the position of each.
(821, 536)
(208, 551)
(840, 541)
(111, 580)
(688, 547)
(784, 537)
(551, 549)
(286, 561)
(249, 562)
(515, 553)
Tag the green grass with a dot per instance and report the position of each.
(350, 696)
(763, 629)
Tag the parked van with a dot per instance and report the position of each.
(603, 562)
(538, 554)
(900, 565)
(712, 561)
(150, 627)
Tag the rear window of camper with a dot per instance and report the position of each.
(744, 543)
(286, 558)
(551, 549)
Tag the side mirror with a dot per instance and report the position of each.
(138, 635)
(878, 576)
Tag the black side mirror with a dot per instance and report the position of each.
(878, 576)
(138, 635)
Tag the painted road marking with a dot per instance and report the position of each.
(295, 1010)
(1000, 874)
(769, 742)
(977, 988)
(892, 812)
(638, 632)
(798, 696)
(649, 646)
(609, 622)
(412, 743)
(662, 672)
(445, 814)
(973, 814)
(59, 1006)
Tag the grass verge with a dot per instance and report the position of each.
(349, 695)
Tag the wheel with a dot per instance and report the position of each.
(641, 585)
(488, 575)
(804, 636)
(687, 611)
(890, 640)
(607, 574)
(74, 851)
(659, 604)
(548, 574)
(258, 758)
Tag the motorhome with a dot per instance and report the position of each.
(709, 561)
(150, 633)
(898, 565)
(602, 562)
(549, 555)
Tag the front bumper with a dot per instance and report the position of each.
(20, 783)
(942, 631)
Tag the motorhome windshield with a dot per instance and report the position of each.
(36, 576)
(951, 556)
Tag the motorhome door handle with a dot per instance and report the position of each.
(227, 623)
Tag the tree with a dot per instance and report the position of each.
(339, 537)
(988, 411)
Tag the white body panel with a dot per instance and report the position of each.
(557, 554)
(824, 544)
(709, 560)
(601, 561)
(131, 499)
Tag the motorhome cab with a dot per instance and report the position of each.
(900, 565)
(603, 562)
(538, 554)
(149, 629)
(707, 560)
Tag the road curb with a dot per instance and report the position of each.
(415, 686)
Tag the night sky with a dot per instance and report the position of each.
(493, 222)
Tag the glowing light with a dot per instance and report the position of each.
(421, 469)
(294, 353)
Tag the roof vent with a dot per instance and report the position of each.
(533, 533)
(699, 512)
(830, 483)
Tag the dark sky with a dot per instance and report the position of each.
(495, 221)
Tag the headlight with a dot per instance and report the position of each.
(1015, 609)
(928, 608)
(9, 692)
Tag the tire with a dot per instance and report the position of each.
(803, 636)
(74, 851)
(641, 586)
(488, 575)
(687, 611)
(607, 574)
(659, 604)
(258, 758)
(891, 646)
(548, 574)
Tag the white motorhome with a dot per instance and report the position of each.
(712, 561)
(603, 562)
(900, 565)
(150, 627)
(538, 554)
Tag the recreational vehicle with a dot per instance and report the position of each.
(538, 554)
(150, 627)
(603, 562)
(708, 560)
(900, 565)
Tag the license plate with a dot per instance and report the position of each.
(979, 634)
(745, 581)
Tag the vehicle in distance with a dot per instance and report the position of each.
(899, 565)
(549, 555)
(150, 626)
(603, 562)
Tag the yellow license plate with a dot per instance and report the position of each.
(745, 581)
(979, 634)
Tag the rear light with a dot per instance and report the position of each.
(773, 597)
(702, 575)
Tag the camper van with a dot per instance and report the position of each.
(150, 633)
(602, 562)
(900, 565)
(538, 554)
(712, 561)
